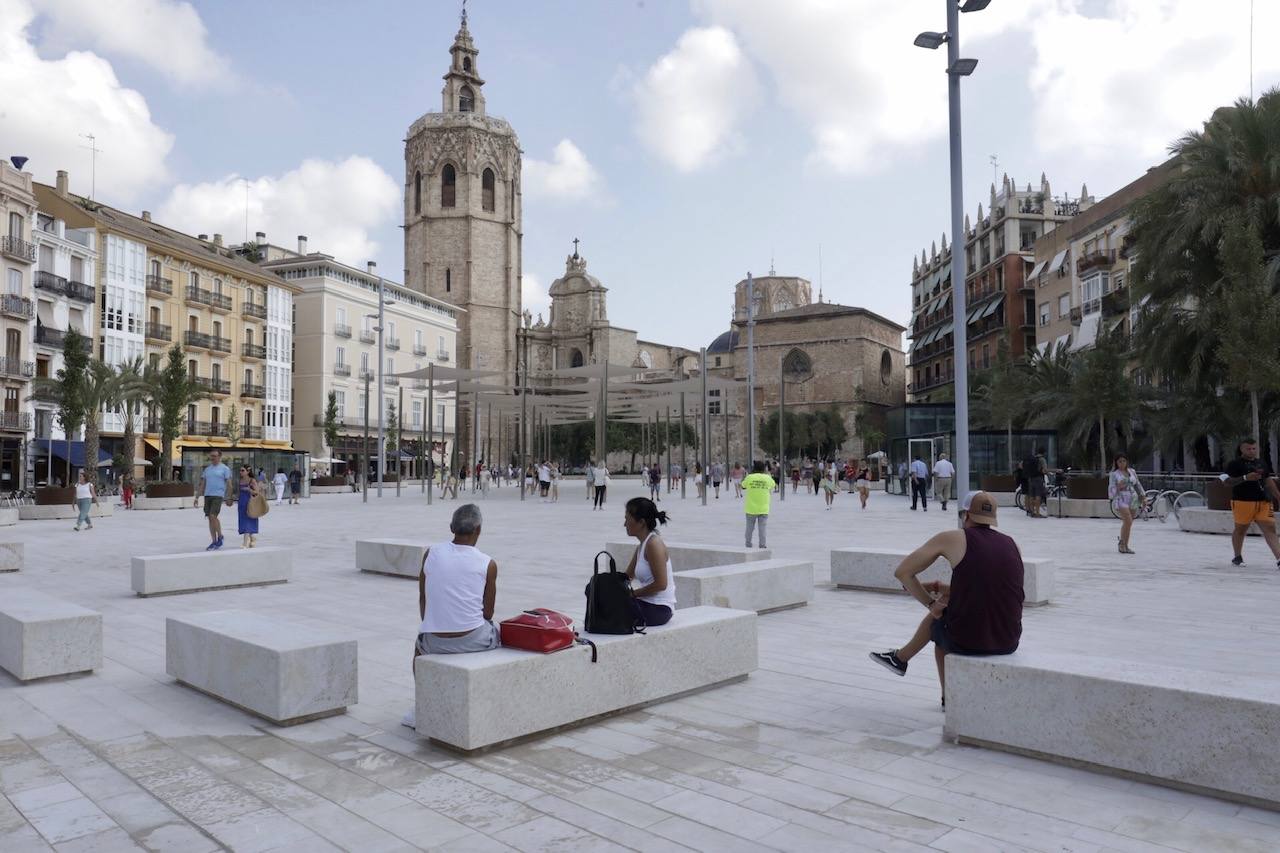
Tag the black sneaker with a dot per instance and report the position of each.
(889, 660)
(1237, 560)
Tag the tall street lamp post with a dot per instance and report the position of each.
(957, 68)
(383, 302)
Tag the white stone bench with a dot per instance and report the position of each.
(1077, 507)
(1204, 520)
(8, 516)
(475, 701)
(1206, 732)
(872, 569)
(12, 556)
(283, 672)
(685, 555)
(201, 571)
(41, 636)
(400, 557)
(763, 586)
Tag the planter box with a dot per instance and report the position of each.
(36, 512)
(328, 481)
(1087, 488)
(1218, 495)
(170, 490)
(147, 502)
(330, 490)
(998, 483)
(50, 496)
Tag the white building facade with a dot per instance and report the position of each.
(123, 302)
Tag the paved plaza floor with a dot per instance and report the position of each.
(818, 750)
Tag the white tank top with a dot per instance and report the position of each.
(455, 588)
(644, 577)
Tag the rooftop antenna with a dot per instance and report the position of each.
(771, 269)
(93, 162)
(995, 166)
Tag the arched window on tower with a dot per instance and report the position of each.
(466, 100)
(417, 192)
(486, 189)
(448, 186)
(448, 280)
(575, 358)
(466, 63)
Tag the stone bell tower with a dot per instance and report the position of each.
(462, 218)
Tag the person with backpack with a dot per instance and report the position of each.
(655, 483)
(759, 488)
(654, 594)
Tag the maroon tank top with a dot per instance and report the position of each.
(984, 613)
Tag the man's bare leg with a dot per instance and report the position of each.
(1237, 538)
(1269, 534)
(918, 640)
(940, 656)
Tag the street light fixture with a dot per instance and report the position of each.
(383, 302)
(957, 68)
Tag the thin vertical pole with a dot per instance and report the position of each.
(782, 427)
(431, 430)
(706, 431)
(524, 416)
(958, 238)
(382, 372)
(751, 370)
(668, 471)
(399, 434)
(684, 461)
(724, 396)
(364, 461)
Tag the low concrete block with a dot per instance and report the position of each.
(12, 556)
(41, 636)
(330, 490)
(8, 516)
(143, 502)
(688, 555)
(283, 672)
(199, 571)
(33, 512)
(763, 586)
(474, 701)
(1205, 520)
(400, 557)
(873, 568)
(1078, 508)
(1200, 731)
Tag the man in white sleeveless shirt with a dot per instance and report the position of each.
(457, 587)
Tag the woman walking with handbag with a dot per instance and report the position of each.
(1125, 492)
(86, 495)
(247, 523)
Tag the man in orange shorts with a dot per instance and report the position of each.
(1253, 485)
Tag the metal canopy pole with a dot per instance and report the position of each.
(706, 431)
(431, 430)
(382, 373)
(782, 426)
(668, 471)
(684, 461)
(364, 473)
(399, 434)
(751, 371)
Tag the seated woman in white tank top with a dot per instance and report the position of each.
(654, 592)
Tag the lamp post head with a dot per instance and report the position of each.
(974, 5)
(930, 40)
(963, 67)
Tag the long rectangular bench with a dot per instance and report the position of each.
(283, 672)
(1206, 732)
(400, 557)
(763, 586)
(872, 569)
(200, 571)
(687, 555)
(475, 701)
(42, 636)
(12, 556)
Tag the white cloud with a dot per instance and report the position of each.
(48, 103)
(337, 205)
(166, 35)
(692, 100)
(534, 297)
(567, 176)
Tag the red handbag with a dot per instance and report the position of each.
(538, 630)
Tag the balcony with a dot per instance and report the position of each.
(392, 343)
(17, 248)
(17, 367)
(80, 291)
(216, 301)
(1115, 302)
(442, 356)
(17, 306)
(937, 382)
(158, 284)
(342, 370)
(367, 336)
(257, 391)
(341, 330)
(159, 332)
(49, 282)
(251, 431)
(253, 309)
(221, 387)
(1095, 260)
(1077, 315)
(391, 381)
(15, 421)
(420, 384)
(419, 349)
(365, 374)
(197, 340)
(52, 338)
(257, 351)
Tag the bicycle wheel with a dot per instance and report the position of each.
(1162, 503)
(1187, 500)
(1018, 498)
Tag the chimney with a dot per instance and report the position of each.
(63, 184)
(146, 216)
(261, 237)
(217, 239)
(372, 268)
(302, 244)
(203, 238)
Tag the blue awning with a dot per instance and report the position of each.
(58, 447)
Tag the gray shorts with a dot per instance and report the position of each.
(481, 639)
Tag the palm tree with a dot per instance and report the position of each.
(100, 392)
(131, 396)
(169, 391)
(1000, 395)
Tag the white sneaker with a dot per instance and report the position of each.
(408, 720)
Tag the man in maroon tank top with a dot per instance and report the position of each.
(980, 611)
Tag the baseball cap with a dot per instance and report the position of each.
(981, 507)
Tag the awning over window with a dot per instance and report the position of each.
(1036, 270)
(991, 308)
(1042, 346)
(1061, 341)
(1088, 333)
(1057, 261)
(58, 448)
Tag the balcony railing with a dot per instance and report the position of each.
(342, 330)
(159, 332)
(159, 284)
(929, 384)
(213, 386)
(253, 351)
(342, 370)
(17, 306)
(365, 374)
(419, 349)
(17, 367)
(50, 282)
(216, 301)
(366, 336)
(47, 337)
(392, 343)
(251, 431)
(1115, 302)
(391, 381)
(16, 421)
(16, 247)
(420, 384)
(1095, 259)
(253, 391)
(81, 291)
(253, 309)
(1077, 315)
(442, 356)
(197, 340)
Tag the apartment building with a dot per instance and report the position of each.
(1000, 305)
(17, 260)
(336, 349)
(1081, 273)
(160, 287)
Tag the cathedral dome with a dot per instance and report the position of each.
(727, 342)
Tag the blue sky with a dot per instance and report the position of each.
(684, 142)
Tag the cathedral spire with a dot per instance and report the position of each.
(462, 85)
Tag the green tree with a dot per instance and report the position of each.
(66, 390)
(101, 391)
(233, 426)
(170, 391)
(391, 455)
(331, 421)
(1000, 396)
(1250, 316)
(131, 395)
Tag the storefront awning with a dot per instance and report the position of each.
(75, 453)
